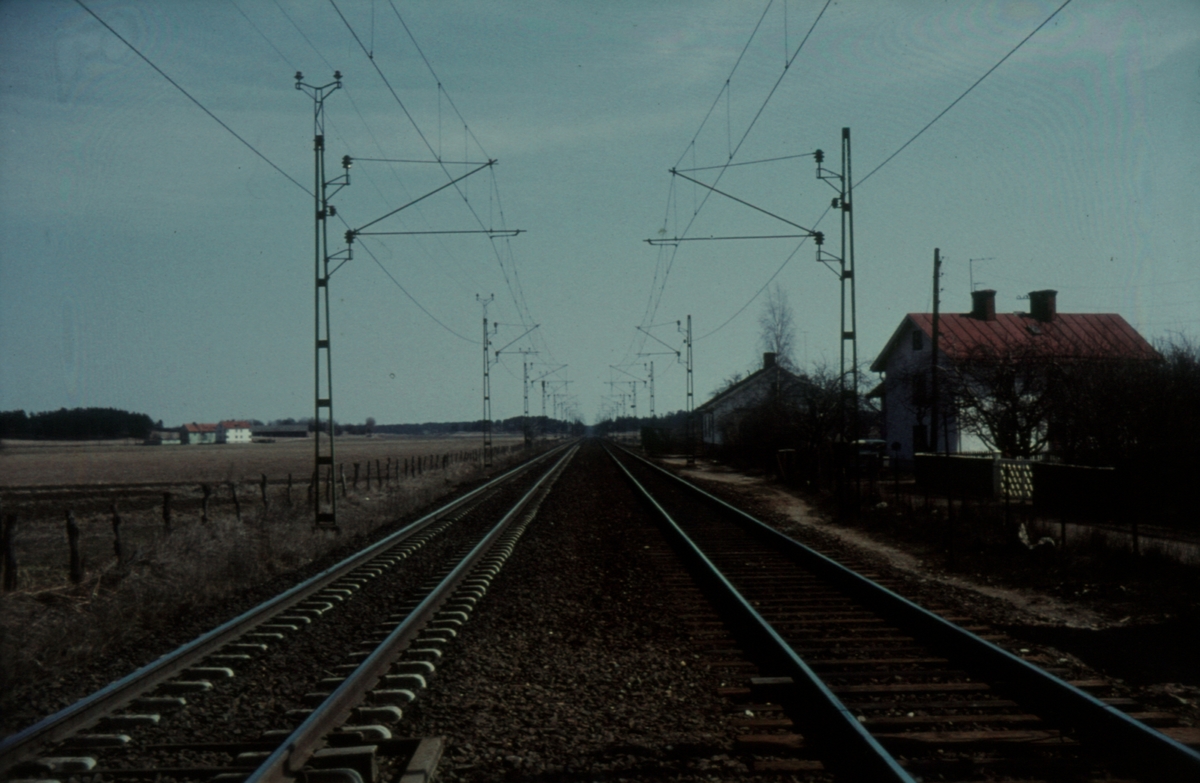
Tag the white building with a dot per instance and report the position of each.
(907, 360)
(233, 432)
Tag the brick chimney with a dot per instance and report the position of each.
(1042, 305)
(768, 360)
(983, 305)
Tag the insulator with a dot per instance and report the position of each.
(337, 75)
(820, 156)
(332, 210)
(819, 238)
(299, 76)
(347, 161)
(834, 204)
(350, 237)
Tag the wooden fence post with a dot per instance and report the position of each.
(8, 543)
(356, 475)
(118, 550)
(207, 490)
(342, 473)
(237, 506)
(266, 501)
(378, 474)
(166, 514)
(289, 491)
(76, 565)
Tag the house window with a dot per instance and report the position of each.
(920, 390)
(920, 438)
(918, 339)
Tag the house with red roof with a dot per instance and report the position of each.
(199, 433)
(233, 431)
(966, 345)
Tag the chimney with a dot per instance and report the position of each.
(768, 360)
(983, 305)
(1042, 305)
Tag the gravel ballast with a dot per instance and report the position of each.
(574, 666)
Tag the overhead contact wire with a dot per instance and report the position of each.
(189, 96)
(954, 103)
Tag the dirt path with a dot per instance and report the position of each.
(1028, 606)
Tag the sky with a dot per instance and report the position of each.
(154, 261)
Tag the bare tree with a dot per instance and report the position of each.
(1004, 396)
(777, 323)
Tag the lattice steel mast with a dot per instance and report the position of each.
(325, 513)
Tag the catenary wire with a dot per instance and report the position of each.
(425, 141)
(954, 103)
(189, 96)
(652, 306)
(770, 280)
(894, 154)
(282, 56)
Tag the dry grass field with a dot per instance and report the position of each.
(49, 623)
(57, 463)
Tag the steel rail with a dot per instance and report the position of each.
(1126, 740)
(862, 755)
(54, 728)
(289, 758)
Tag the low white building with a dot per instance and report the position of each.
(233, 432)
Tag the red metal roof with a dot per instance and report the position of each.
(1067, 336)
(194, 427)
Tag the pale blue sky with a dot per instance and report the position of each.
(152, 262)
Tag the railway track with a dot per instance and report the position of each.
(309, 681)
(883, 689)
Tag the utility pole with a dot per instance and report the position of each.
(651, 365)
(848, 331)
(524, 352)
(636, 380)
(691, 424)
(849, 318)
(487, 384)
(933, 385)
(525, 415)
(324, 513)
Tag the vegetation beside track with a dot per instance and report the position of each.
(59, 642)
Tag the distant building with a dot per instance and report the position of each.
(275, 431)
(966, 341)
(726, 407)
(233, 432)
(164, 438)
(199, 433)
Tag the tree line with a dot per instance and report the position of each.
(75, 424)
